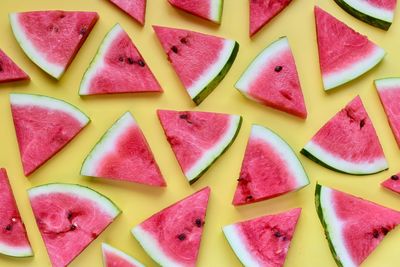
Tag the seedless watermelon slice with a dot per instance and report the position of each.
(393, 183)
(134, 8)
(272, 80)
(9, 71)
(354, 227)
(206, 9)
(172, 236)
(198, 138)
(69, 218)
(270, 168)
(13, 239)
(118, 67)
(263, 241)
(123, 154)
(344, 54)
(52, 38)
(113, 257)
(348, 143)
(43, 125)
(201, 61)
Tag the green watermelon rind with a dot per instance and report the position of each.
(359, 14)
(220, 8)
(119, 253)
(14, 252)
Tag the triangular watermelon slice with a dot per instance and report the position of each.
(353, 226)
(263, 241)
(9, 71)
(272, 80)
(172, 236)
(207, 9)
(134, 8)
(392, 183)
(52, 38)
(43, 125)
(348, 143)
(198, 138)
(201, 61)
(113, 257)
(118, 67)
(123, 154)
(13, 239)
(262, 11)
(389, 94)
(344, 54)
(270, 168)
(69, 218)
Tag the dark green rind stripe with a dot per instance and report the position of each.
(211, 86)
(384, 25)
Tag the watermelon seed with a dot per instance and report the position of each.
(394, 177)
(181, 237)
(83, 30)
(278, 68)
(8, 227)
(62, 16)
(73, 227)
(94, 235)
(174, 49)
(385, 230)
(183, 40)
(121, 58)
(375, 233)
(249, 197)
(1, 67)
(183, 116)
(362, 123)
(141, 63)
(199, 223)
(69, 215)
(130, 61)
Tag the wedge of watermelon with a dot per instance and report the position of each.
(113, 257)
(43, 125)
(270, 168)
(263, 241)
(9, 71)
(134, 8)
(172, 236)
(52, 38)
(69, 218)
(118, 67)
(393, 183)
(123, 154)
(201, 61)
(353, 226)
(389, 94)
(13, 238)
(272, 80)
(344, 54)
(263, 11)
(378, 13)
(207, 9)
(348, 143)
(198, 138)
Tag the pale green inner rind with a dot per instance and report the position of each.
(17, 252)
(107, 248)
(386, 83)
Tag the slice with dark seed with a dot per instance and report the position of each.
(392, 183)
(9, 71)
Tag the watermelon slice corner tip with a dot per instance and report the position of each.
(392, 183)
(10, 71)
(113, 257)
(207, 9)
(134, 8)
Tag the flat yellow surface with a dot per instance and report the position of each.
(309, 247)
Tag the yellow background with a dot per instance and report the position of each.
(138, 202)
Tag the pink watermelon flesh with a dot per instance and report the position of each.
(262, 11)
(393, 183)
(9, 71)
(134, 8)
(387, 4)
(13, 233)
(197, 8)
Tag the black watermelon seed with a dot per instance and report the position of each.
(69, 215)
(249, 197)
(278, 68)
(130, 61)
(181, 237)
(174, 49)
(198, 222)
(184, 40)
(1, 67)
(385, 230)
(183, 116)
(8, 227)
(73, 227)
(375, 233)
(141, 63)
(394, 177)
(121, 58)
(362, 123)
(277, 234)
(83, 30)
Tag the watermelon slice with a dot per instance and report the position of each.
(118, 67)
(43, 125)
(13, 239)
(9, 71)
(134, 8)
(272, 80)
(200, 60)
(348, 143)
(389, 93)
(270, 168)
(172, 236)
(263, 241)
(344, 54)
(207, 9)
(378, 13)
(69, 218)
(393, 183)
(353, 226)
(198, 138)
(52, 38)
(262, 11)
(113, 257)
(123, 154)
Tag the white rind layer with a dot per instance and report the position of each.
(387, 84)
(343, 165)
(211, 154)
(197, 87)
(106, 144)
(49, 103)
(30, 50)
(151, 246)
(370, 10)
(15, 251)
(216, 6)
(107, 248)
